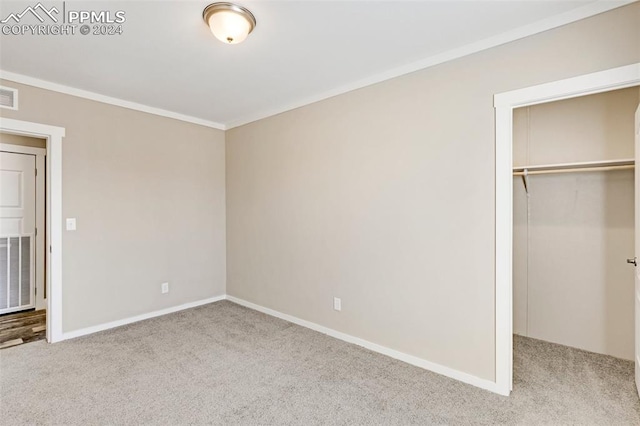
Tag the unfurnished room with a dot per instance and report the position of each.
(320, 212)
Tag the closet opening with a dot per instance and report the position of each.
(505, 103)
(574, 220)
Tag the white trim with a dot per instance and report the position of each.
(15, 98)
(409, 359)
(141, 317)
(616, 78)
(577, 14)
(19, 149)
(43, 84)
(41, 220)
(588, 84)
(54, 136)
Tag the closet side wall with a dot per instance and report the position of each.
(571, 283)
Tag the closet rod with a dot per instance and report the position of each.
(589, 166)
(573, 170)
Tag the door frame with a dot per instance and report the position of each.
(504, 104)
(53, 136)
(40, 155)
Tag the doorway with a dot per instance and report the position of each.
(22, 239)
(505, 103)
(53, 221)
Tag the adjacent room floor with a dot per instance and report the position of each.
(225, 364)
(22, 327)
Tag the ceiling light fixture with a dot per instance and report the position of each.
(229, 23)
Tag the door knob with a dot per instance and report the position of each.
(633, 261)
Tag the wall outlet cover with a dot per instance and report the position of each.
(337, 304)
(165, 288)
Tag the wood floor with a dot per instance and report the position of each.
(22, 327)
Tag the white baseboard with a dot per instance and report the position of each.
(125, 321)
(409, 359)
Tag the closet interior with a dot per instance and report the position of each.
(573, 217)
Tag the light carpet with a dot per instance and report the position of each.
(226, 364)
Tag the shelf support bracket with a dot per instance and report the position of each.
(525, 180)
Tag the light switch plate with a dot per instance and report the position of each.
(71, 224)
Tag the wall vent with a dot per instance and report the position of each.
(8, 98)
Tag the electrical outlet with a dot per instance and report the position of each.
(165, 288)
(337, 304)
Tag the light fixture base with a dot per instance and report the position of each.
(230, 9)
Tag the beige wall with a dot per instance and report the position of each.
(384, 196)
(148, 193)
(588, 128)
(22, 140)
(573, 234)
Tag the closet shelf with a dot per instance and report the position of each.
(574, 167)
(588, 166)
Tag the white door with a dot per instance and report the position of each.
(637, 250)
(17, 231)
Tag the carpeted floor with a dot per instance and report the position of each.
(225, 364)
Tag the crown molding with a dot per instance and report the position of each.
(60, 88)
(577, 14)
(546, 24)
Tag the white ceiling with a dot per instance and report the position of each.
(300, 51)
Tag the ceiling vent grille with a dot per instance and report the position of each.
(8, 98)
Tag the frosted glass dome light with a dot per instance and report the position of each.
(229, 23)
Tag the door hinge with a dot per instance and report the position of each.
(35, 291)
(50, 250)
(36, 172)
(36, 232)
